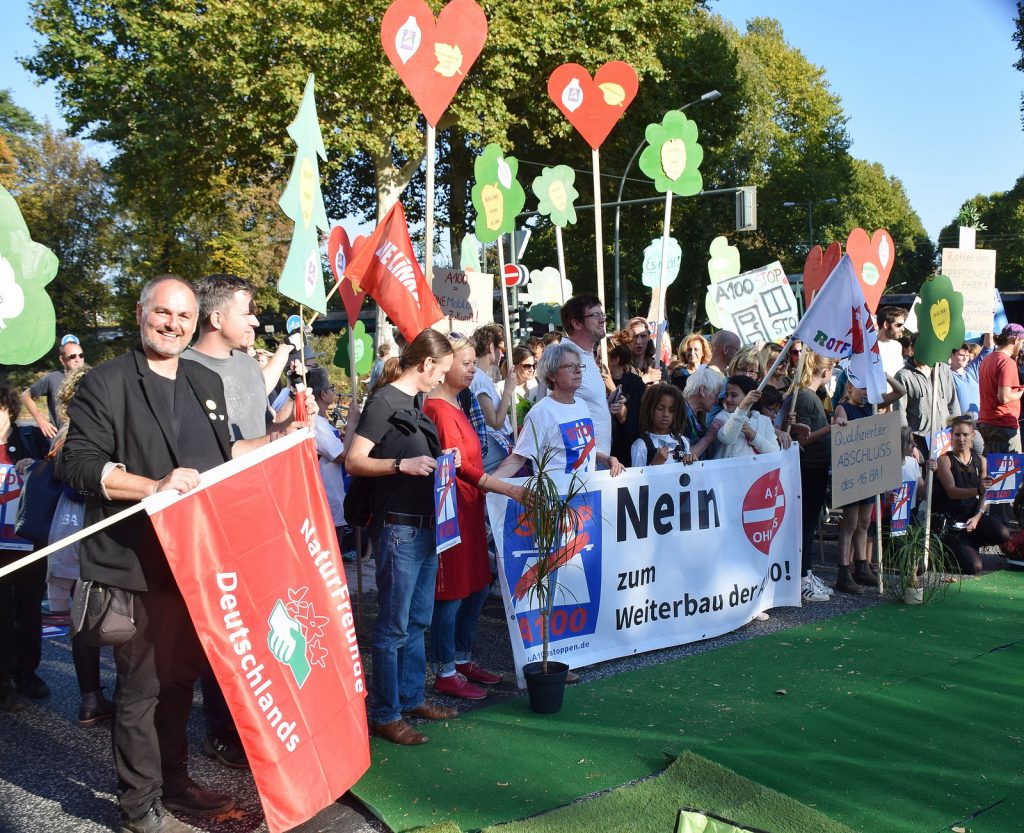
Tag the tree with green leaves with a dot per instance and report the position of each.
(16, 127)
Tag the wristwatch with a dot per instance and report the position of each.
(398, 465)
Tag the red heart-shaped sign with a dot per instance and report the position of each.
(593, 105)
(339, 254)
(432, 59)
(872, 261)
(818, 267)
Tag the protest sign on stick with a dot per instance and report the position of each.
(556, 200)
(723, 263)
(432, 59)
(27, 318)
(872, 260)
(758, 305)
(866, 458)
(817, 267)
(465, 298)
(972, 273)
(593, 106)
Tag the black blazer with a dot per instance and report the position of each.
(113, 419)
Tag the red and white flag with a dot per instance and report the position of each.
(255, 554)
(838, 324)
(386, 269)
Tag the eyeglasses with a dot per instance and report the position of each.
(572, 368)
(530, 366)
(600, 315)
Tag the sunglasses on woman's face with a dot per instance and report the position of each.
(528, 365)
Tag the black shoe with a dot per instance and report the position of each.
(227, 749)
(31, 685)
(95, 709)
(865, 575)
(10, 700)
(157, 820)
(193, 800)
(845, 583)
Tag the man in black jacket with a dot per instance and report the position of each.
(142, 423)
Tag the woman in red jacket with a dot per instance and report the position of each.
(463, 572)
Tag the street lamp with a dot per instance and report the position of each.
(811, 205)
(712, 95)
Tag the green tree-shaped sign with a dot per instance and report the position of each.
(497, 196)
(302, 278)
(556, 196)
(940, 321)
(672, 157)
(27, 321)
(363, 349)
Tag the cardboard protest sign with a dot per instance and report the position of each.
(723, 263)
(902, 506)
(433, 58)
(818, 266)
(672, 157)
(872, 261)
(339, 254)
(866, 458)
(1007, 473)
(27, 319)
(302, 278)
(497, 195)
(593, 105)
(940, 321)
(463, 297)
(972, 272)
(758, 305)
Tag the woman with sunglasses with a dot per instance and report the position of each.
(959, 500)
(559, 428)
(524, 363)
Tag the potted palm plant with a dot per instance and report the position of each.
(913, 579)
(554, 519)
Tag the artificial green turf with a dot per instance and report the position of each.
(691, 781)
(883, 710)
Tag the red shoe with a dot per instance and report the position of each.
(472, 671)
(458, 686)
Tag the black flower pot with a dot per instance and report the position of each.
(545, 690)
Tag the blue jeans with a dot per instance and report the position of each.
(453, 629)
(406, 569)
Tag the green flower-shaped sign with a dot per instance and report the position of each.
(556, 195)
(672, 157)
(363, 349)
(27, 321)
(497, 196)
(940, 321)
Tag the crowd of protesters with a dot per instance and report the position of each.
(123, 431)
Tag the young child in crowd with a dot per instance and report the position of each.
(662, 411)
(770, 405)
(745, 432)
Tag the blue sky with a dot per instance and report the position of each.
(929, 87)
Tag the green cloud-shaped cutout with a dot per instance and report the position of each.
(28, 324)
(556, 195)
(497, 195)
(940, 321)
(672, 157)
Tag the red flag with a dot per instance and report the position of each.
(386, 268)
(255, 554)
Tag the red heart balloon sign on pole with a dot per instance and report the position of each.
(872, 261)
(339, 254)
(593, 106)
(817, 267)
(432, 59)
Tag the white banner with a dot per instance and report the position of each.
(666, 555)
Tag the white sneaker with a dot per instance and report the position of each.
(761, 617)
(809, 592)
(819, 585)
